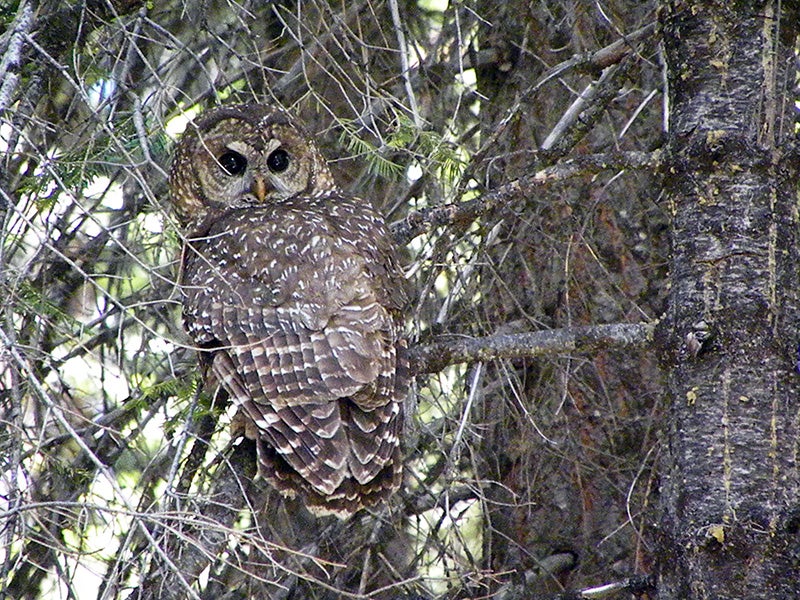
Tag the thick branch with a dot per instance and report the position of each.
(12, 53)
(450, 350)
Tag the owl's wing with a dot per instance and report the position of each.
(296, 317)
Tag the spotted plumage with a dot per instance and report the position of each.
(293, 294)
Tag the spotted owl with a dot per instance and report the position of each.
(293, 294)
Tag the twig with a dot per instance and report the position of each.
(229, 494)
(406, 72)
(546, 568)
(429, 501)
(585, 99)
(605, 57)
(586, 110)
(638, 584)
(591, 62)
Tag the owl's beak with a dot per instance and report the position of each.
(259, 188)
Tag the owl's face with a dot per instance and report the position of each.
(241, 156)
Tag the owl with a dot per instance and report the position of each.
(293, 294)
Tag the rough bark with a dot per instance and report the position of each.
(730, 482)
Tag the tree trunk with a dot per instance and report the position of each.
(730, 483)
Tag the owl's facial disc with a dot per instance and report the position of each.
(262, 173)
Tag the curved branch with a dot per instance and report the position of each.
(450, 350)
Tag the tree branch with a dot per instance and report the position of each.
(450, 350)
(12, 53)
(464, 213)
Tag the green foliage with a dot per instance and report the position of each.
(378, 163)
(105, 154)
(8, 10)
(182, 389)
(429, 148)
(30, 301)
(112, 149)
(441, 157)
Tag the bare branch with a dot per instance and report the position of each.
(450, 350)
(605, 57)
(226, 498)
(463, 213)
(12, 53)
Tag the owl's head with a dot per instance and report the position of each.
(242, 156)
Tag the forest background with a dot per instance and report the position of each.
(598, 205)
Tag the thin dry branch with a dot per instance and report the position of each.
(463, 213)
(604, 57)
(225, 500)
(450, 350)
(586, 110)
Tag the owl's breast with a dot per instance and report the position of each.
(279, 257)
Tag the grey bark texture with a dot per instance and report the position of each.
(730, 482)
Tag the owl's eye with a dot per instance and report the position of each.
(233, 163)
(278, 161)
